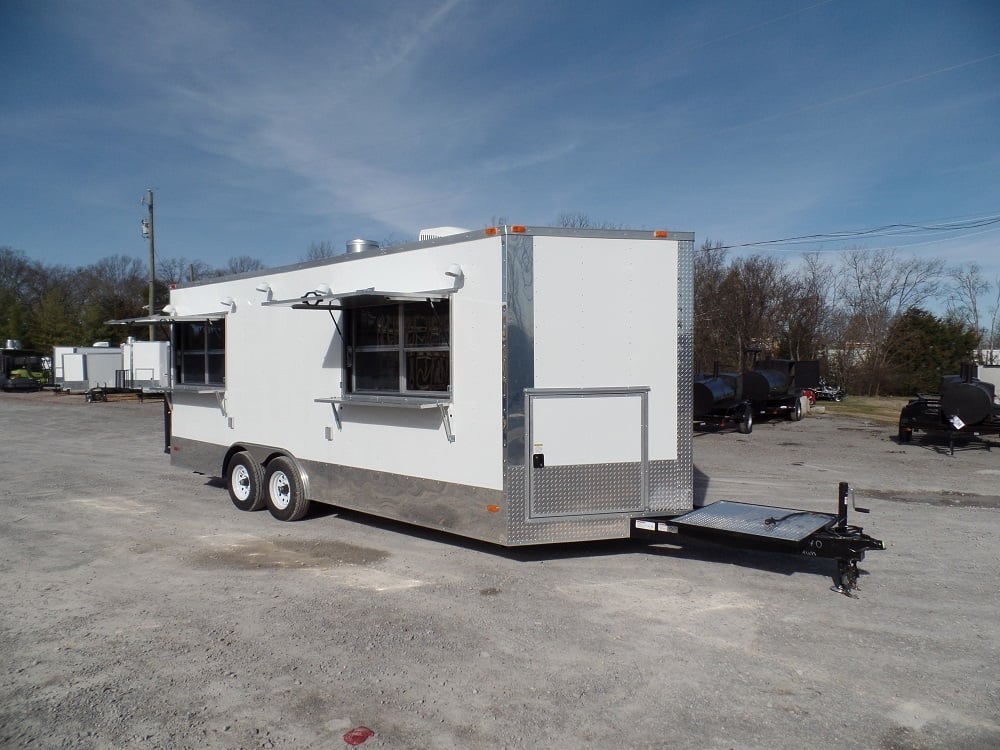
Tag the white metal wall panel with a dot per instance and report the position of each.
(74, 367)
(606, 315)
(58, 353)
(101, 367)
(279, 360)
(587, 430)
(148, 362)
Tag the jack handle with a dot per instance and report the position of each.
(843, 492)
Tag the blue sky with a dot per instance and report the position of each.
(264, 127)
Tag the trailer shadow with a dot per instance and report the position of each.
(689, 549)
(940, 445)
(681, 548)
(766, 561)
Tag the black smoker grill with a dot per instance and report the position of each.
(964, 407)
(770, 387)
(719, 400)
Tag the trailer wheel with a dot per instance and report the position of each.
(285, 496)
(245, 481)
(745, 425)
(796, 413)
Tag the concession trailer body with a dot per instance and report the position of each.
(518, 385)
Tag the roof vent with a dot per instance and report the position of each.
(434, 232)
(360, 246)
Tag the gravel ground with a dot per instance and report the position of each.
(141, 610)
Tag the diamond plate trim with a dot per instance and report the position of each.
(586, 489)
(756, 520)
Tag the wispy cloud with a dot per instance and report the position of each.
(382, 116)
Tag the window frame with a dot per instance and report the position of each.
(400, 348)
(213, 356)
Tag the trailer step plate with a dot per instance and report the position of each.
(743, 519)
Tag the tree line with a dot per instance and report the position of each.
(863, 314)
(43, 305)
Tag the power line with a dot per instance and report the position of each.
(887, 230)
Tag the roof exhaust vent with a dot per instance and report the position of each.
(360, 246)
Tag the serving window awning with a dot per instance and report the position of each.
(358, 298)
(147, 319)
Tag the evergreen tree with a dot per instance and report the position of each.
(921, 348)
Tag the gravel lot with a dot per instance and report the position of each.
(141, 610)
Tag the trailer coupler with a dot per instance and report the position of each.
(803, 532)
(845, 543)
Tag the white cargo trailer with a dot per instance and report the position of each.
(146, 365)
(78, 370)
(519, 385)
(87, 367)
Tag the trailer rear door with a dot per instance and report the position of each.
(587, 451)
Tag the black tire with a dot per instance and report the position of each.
(245, 482)
(745, 425)
(796, 413)
(283, 491)
(905, 433)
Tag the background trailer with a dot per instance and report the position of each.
(518, 385)
(146, 365)
(87, 367)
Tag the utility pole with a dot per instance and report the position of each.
(147, 232)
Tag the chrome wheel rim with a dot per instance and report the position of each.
(240, 480)
(280, 490)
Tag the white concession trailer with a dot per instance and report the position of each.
(518, 385)
(80, 368)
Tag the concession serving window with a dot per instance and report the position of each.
(397, 345)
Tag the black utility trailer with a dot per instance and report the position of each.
(22, 369)
(771, 388)
(965, 407)
(718, 401)
(800, 532)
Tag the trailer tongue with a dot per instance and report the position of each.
(802, 532)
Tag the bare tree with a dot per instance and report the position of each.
(320, 250)
(967, 286)
(580, 220)
(116, 287)
(994, 333)
(710, 269)
(15, 268)
(243, 264)
(755, 293)
(808, 309)
(877, 286)
(182, 271)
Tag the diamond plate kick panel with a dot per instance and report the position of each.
(581, 490)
